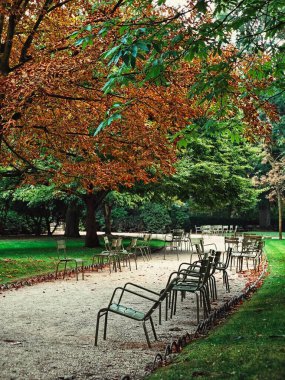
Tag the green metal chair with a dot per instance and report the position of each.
(109, 256)
(143, 246)
(120, 304)
(194, 280)
(223, 266)
(62, 259)
(127, 253)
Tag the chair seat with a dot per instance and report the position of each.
(104, 253)
(71, 259)
(66, 259)
(186, 287)
(127, 311)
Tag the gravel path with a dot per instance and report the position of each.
(47, 330)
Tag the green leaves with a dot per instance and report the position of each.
(201, 6)
(108, 121)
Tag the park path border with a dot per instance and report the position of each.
(44, 278)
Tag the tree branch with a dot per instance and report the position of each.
(1, 28)
(66, 97)
(4, 59)
(29, 40)
(18, 155)
(58, 5)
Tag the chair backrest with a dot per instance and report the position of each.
(206, 229)
(199, 250)
(147, 238)
(61, 247)
(252, 237)
(164, 293)
(119, 245)
(198, 229)
(178, 232)
(216, 259)
(107, 243)
(206, 270)
(231, 242)
(228, 257)
(133, 243)
(168, 237)
(114, 245)
(194, 240)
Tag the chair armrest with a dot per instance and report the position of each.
(140, 287)
(124, 291)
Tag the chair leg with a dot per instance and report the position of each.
(146, 335)
(128, 258)
(99, 315)
(56, 270)
(64, 272)
(226, 281)
(197, 306)
(82, 268)
(76, 270)
(105, 326)
(166, 307)
(153, 329)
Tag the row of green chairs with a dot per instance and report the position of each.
(196, 278)
(249, 247)
(114, 255)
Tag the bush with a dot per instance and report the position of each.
(155, 217)
(180, 217)
(15, 224)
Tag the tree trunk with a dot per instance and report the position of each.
(264, 213)
(279, 200)
(92, 201)
(47, 222)
(107, 209)
(72, 220)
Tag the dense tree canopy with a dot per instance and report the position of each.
(150, 74)
(235, 48)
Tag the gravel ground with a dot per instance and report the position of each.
(47, 330)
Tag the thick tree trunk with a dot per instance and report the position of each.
(264, 213)
(47, 222)
(92, 201)
(279, 200)
(72, 220)
(107, 209)
(91, 238)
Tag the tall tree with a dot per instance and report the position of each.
(52, 102)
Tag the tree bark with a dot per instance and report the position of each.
(264, 213)
(279, 200)
(92, 201)
(72, 220)
(107, 209)
(5, 56)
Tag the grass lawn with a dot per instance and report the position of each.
(22, 258)
(250, 344)
(272, 234)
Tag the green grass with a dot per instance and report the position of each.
(27, 257)
(273, 234)
(23, 258)
(250, 344)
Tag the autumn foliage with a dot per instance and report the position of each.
(52, 103)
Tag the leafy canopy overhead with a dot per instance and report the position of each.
(52, 101)
(237, 45)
